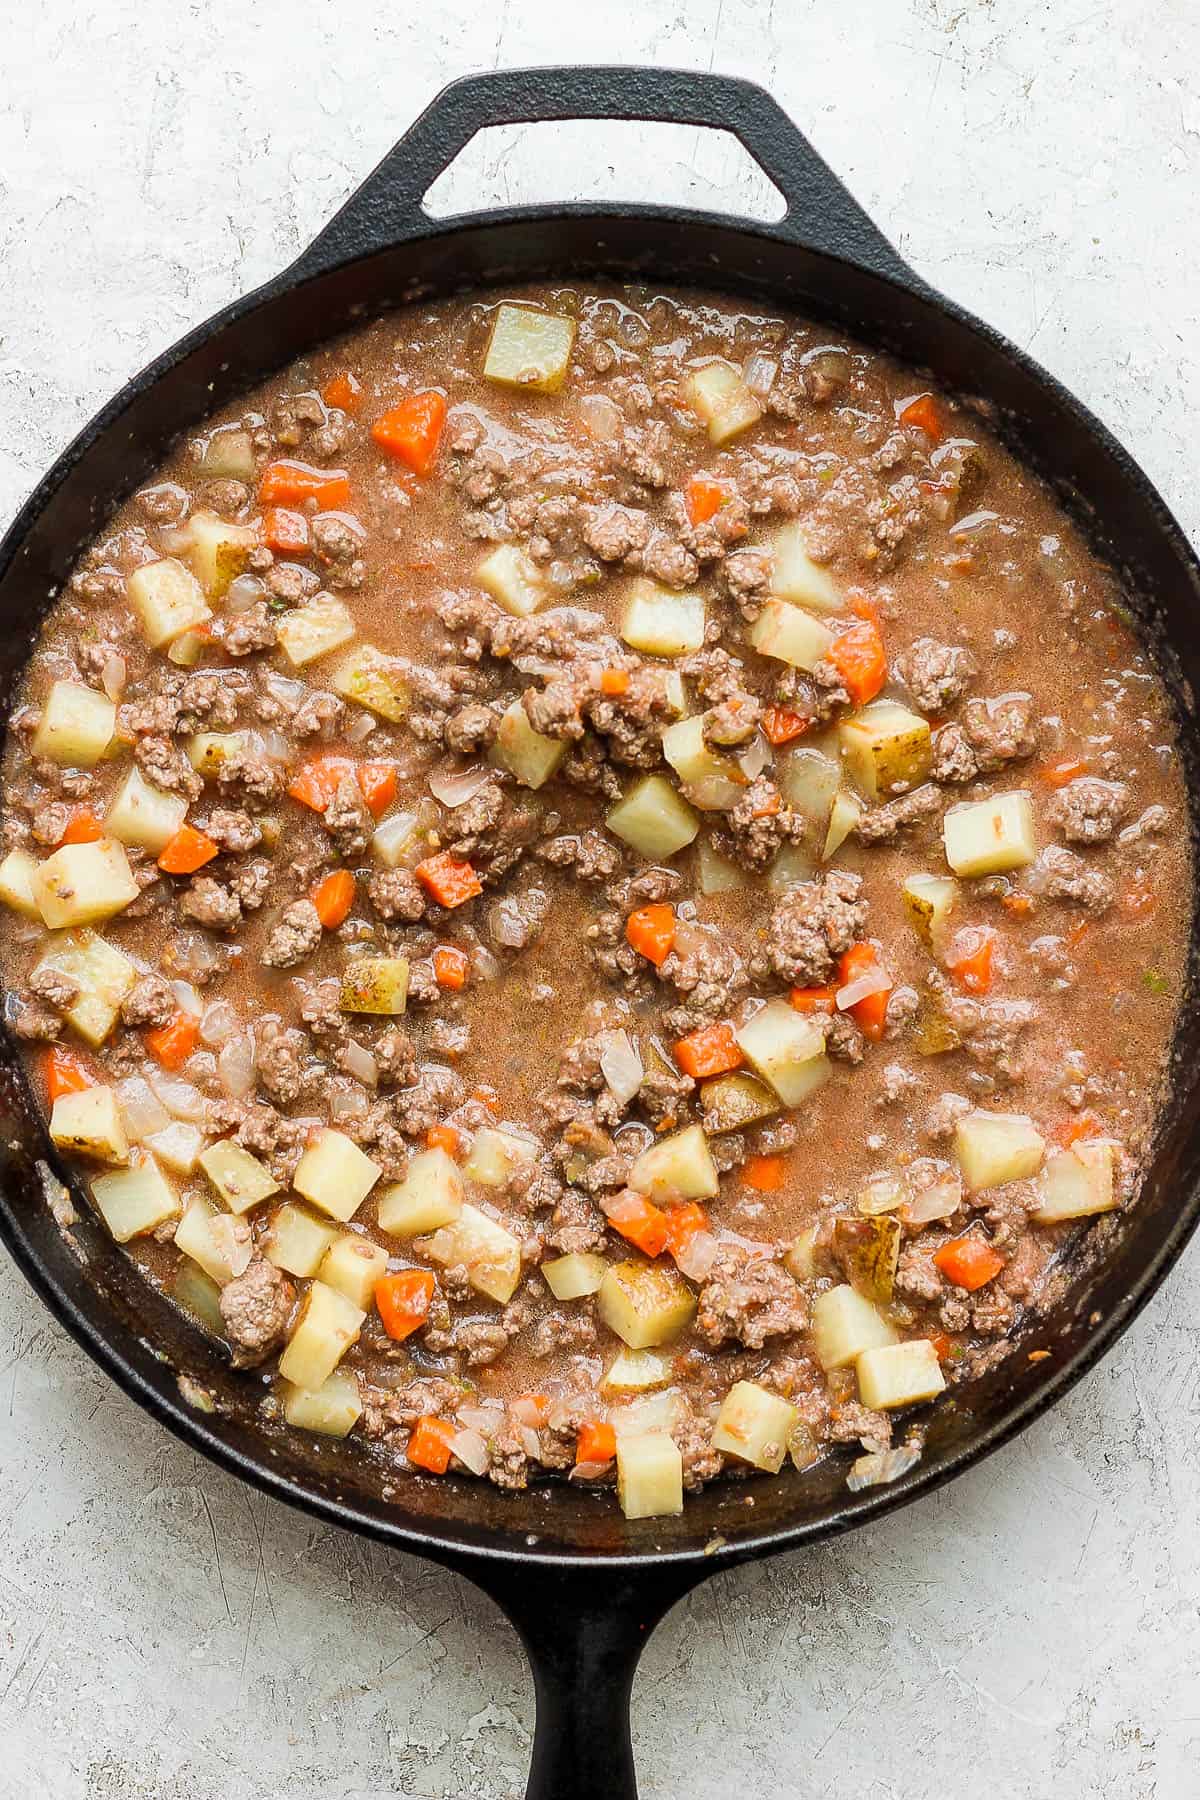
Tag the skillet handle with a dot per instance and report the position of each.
(386, 210)
(584, 1631)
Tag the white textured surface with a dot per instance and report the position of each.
(167, 1635)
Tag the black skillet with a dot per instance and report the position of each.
(583, 1588)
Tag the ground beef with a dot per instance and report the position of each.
(936, 675)
(814, 923)
(1000, 731)
(212, 904)
(282, 1061)
(256, 777)
(256, 1307)
(234, 831)
(514, 922)
(592, 856)
(318, 715)
(1063, 875)
(471, 728)
(348, 819)
(576, 1224)
(844, 1040)
(165, 766)
(706, 969)
(415, 1110)
(150, 1001)
(397, 894)
(883, 823)
(246, 633)
(55, 987)
(851, 1423)
(396, 1056)
(252, 883)
(747, 1300)
(1088, 811)
(757, 825)
(50, 822)
(988, 1030)
(295, 937)
(32, 1019)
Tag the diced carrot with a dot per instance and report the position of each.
(863, 607)
(429, 1445)
(344, 391)
(1079, 1126)
(333, 898)
(638, 1220)
(449, 879)
(711, 1050)
(67, 1072)
(942, 1346)
(403, 1301)
(412, 431)
(614, 682)
(780, 724)
(814, 999)
(534, 1407)
(187, 851)
(1138, 897)
(970, 959)
(595, 1442)
(289, 483)
(703, 497)
(1057, 774)
(173, 1043)
(683, 1223)
(378, 783)
(486, 1096)
(969, 1262)
(285, 532)
(451, 967)
(84, 828)
(869, 1013)
(771, 804)
(923, 412)
(1078, 932)
(319, 780)
(858, 656)
(443, 1137)
(1017, 904)
(765, 1174)
(651, 931)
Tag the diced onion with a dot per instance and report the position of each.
(284, 689)
(485, 966)
(243, 592)
(755, 757)
(236, 1065)
(141, 1109)
(882, 1194)
(470, 1450)
(621, 1065)
(601, 416)
(188, 998)
(181, 1099)
(175, 540)
(589, 1471)
(219, 1022)
(485, 1419)
(802, 1446)
(274, 744)
(198, 953)
(527, 1410)
(881, 1466)
(344, 1099)
(358, 1061)
(536, 665)
(759, 373)
(938, 1201)
(529, 1443)
(874, 980)
(696, 1258)
(973, 522)
(454, 787)
(113, 675)
(360, 727)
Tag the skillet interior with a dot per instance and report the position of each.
(140, 1339)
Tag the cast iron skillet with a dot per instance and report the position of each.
(582, 1587)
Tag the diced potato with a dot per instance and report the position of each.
(430, 1196)
(722, 400)
(314, 629)
(375, 984)
(994, 1148)
(797, 578)
(650, 1413)
(353, 1265)
(529, 349)
(715, 873)
(103, 974)
(75, 727)
(786, 1049)
(899, 1374)
(929, 900)
(89, 1123)
(529, 755)
(844, 1324)
(649, 1475)
(367, 677)
(868, 1250)
(218, 551)
(136, 1200)
(790, 635)
(514, 580)
(636, 1372)
(645, 1304)
(735, 1102)
(653, 819)
(571, 1277)
(487, 1250)
(240, 1179)
(673, 692)
(799, 1259)
(333, 1409)
(167, 599)
(809, 781)
(755, 1426)
(216, 1242)
(16, 884)
(83, 883)
(1077, 1182)
(400, 839)
(660, 622)
(989, 837)
(327, 1326)
(296, 1242)
(142, 816)
(335, 1174)
(679, 1167)
(885, 746)
(199, 1295)
(208, 750)
(846, 813)
(713, 782)
(792, 865)
(228, 455)
(495, 1155)
(188, 649)
(177, 1146)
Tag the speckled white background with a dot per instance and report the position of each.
(167, 1635)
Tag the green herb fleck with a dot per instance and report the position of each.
(1155, 982)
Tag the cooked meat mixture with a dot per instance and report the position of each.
(595, 883)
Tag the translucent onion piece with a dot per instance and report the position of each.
(360, 727)
(881, 1466)
(526, 1410)
(188, 998)
(236, 1065)
(882, 1194)
(470, 1450)
(482, 1418)
(218, 1023)
(696, 1258)
(485, 966)
(621, 1065)
(802, 1446)
(282, 688)
(141, 1109)
(276, 745)
(759, 373)
(937, 1201)
(345, 1100)
(601, 416)
(529, 1443)
(536, 665)
(874, 980)
(199, 954)
(454, 787)
(358, 1061)
(589, 1471)
(755, 757)
(114, 675)
(234, 1240)
(973, 522)
(181, 1099)
(175, 540)
(243, 592)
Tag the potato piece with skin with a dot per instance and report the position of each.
(84, 883)
(296, 1242)
(996, 1148)
(227, 454)
(216, 1242)
(487, 1250)
(790, 635)
(992, 836)
(884, 747)
(844, 1324)
(869, 1250)
(795, 577)
(240, 1179)
(16, 884)
(76, 726)
(89, 1123)
(208, 750)
(327, 1326)
(712, 782)
(735, 1102)
(375, 984)
(653, 819)
(495, 1156)
(649, 1475)
(721, 398)
(353, 1265)
(899, 1374)
(136, 1200)
(645, 1304)
(529, 756)
(929, 901)
(311, 631)
(844, 816)
(575, 1275)
(529, 349)
(144, 817)
(369, 678)
(430, 1196)
(636, 1372)
(1078, 1182)
(335, 1175)
(660, 622)
(755, 1426)
(786, 1049)
(678, 1167)
(333, 1409)
(218, 551)
(167, 600)
(103, 974)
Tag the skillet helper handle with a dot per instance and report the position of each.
(386, 210)
(584, 1632)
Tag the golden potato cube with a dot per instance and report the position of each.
(1077, 1182)
(899, 1374)
(660, 622)
(712, 782)
(786, 1049)
(84, 883)
(649, 1476)
(844, 816)
(310, 631)
(795, 577)
(575, 1275)
(177, 1146)
(375, 984)
(88, 1123)
(369, 678)
(327, 1326)
(495, 1156)
(885, 746)
(844, 1324)
(995, 1148)
(653, 819)
(529, 348)
(199, 1295)
(167, 600)
(636, 1372)
(16, 884)
(715, 873)
(216, 1242)
(240, 1179)
(103, 974)
(679, 1167)
(218, 551)
(136, 1200)
(645, 1304)
(296, 1242)
(722, 400)
(333, 1409)
(142, 816)
(353, 1265)
(487, 1250)
(430, 1196)
(929, 900)
(335, 1174)
(514, 580)
(990, 837)
(76, 726)
(790, 635)
(735, 1102)
(528, 755)
(208, 750)
(755, 1426)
